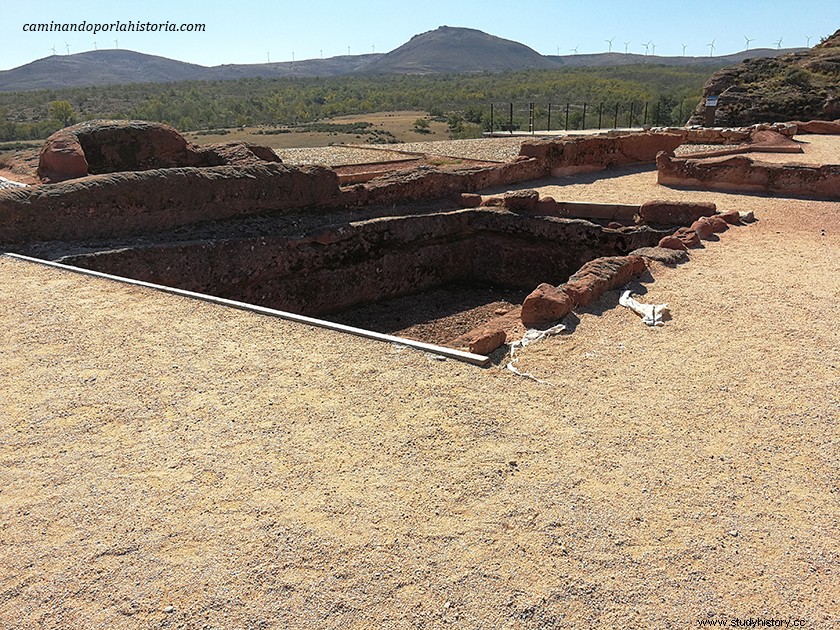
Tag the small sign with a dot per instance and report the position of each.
(711, 101)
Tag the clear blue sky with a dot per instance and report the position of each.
(246, 31)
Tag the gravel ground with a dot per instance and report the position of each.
(172, 463)
(685, 150)
(338, 155)
(492, 149)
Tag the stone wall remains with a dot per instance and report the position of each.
(581, 154)
(120, 204)
(741, 173)
(379, 258)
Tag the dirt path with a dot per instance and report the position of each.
(168, 463)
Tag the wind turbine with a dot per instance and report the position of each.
(626, 44)
(610, 41)
(268, 56)
(647, 48)
(684, 47)
(711, 46)
(808, 40)
(574, 50)
(653, 49)
(117, 44)
(373, 48)
(53, 49)
(749, 39)
(558, 51)
(778, 44)
(68, 47)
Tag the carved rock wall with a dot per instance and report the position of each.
(375, 259)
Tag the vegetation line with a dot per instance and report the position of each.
(193, 105)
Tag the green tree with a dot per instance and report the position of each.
(62, 111)
(421, 125)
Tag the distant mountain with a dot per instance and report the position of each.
(113, 67)
(628, 59)
(444, 50)
(797, 86)
(98, 67)
(454, 50)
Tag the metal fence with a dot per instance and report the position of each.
(532, 117)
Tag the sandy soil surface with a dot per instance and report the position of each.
(171, 463)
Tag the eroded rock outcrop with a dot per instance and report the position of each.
(112, 146)
(792, 86)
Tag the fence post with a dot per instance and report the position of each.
(492, 128)
(682, 122)
(531, 123)
(615, 122)
(510, 128)
(646, 108)
(567, 117)
(548, 125)
(583, 122)
(600, 107)
(630, 122)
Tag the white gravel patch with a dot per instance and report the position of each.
(8, 183)
(490, 149)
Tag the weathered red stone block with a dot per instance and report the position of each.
(601, 275)
(702, 228)
(688, 236)
(733, 217)
(672, 242)
(544, 306)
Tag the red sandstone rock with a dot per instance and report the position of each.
(238, 153)
(672, 242)
(544, 306)
(522, 200)
(601, 275)
(718, 224)
(62, 158)
(469, 200)
(741, 173)
(702, 228)
(773, 141)
(509, 324)
(675, 212)
(688, 237)
(733, 217)
(151, 201)
(566, 156)
(486, 341)
(818, 126)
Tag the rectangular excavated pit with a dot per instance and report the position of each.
(451, 268)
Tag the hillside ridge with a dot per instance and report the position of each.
(445, 50)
